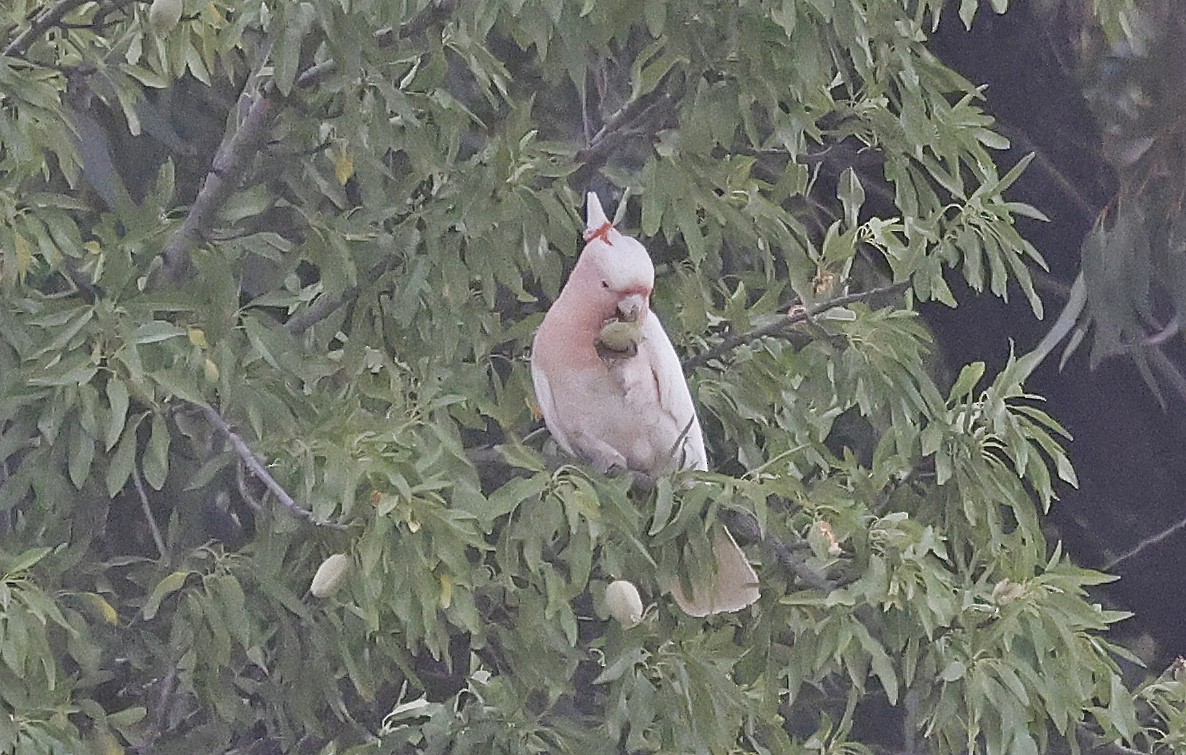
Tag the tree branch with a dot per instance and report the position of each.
(244, 452)
(234, 154)
(1143, 544)
(611, 134)
(1086, 208)
(325, 306)
(785, 553)
(778, 327)
(226, 171)
(44, 21)
(152, 525)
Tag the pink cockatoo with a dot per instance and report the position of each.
(612, 390)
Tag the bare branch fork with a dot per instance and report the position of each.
(610, 136)
(226, 171)
(244, 452)
(778, 327)
(235, 153)
(44, 21)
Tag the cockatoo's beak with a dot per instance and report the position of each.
(633, 308)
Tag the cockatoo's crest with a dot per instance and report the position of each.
(597, 225)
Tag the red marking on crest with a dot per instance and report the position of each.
(601, 233)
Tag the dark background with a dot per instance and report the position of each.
(1043, 87)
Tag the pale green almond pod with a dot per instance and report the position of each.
(624, 603)
(163, 15)
(329, 575)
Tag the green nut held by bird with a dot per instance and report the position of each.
(620, 337)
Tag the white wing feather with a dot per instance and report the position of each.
(674, 396)
(547, 405)
(736, 583)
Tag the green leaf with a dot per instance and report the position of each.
(101, 607)
(968, 378)
(521, 457)
(664, 501)
(81, 454)
(508, 498)
(259, 337)
(882, 665)
(967, 11)
(851, 195)
(155, 331)
(180, 384)
(156, 456)
(81, 372)
(163, 589)
(298, 19)
(651, 65)
(953, 671)
(127, 716)
(233, 604)
(1066, 472)
(620, 665)
(119, 469)
(24, 561)
(117, 399)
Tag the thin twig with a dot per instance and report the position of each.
(1086, 208)
(1168, 370)
(152, 525)
(784, 323)
(244, 492)
(786, 553)
(615, 130)
(244, 452)
(1146, 543)
(164, 707)
(326, 306)
(44, 21)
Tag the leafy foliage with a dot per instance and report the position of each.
(1133, 259)
(270, 276)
